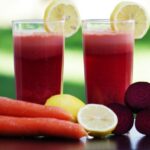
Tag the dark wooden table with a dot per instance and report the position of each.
(131, 141)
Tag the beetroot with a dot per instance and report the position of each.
(137, 96)
(125, 118)
(142, 122)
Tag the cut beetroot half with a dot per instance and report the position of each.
(137, 96)
(142, 122)
(125, 118)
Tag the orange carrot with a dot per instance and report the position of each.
(20, 126)
(10, 107)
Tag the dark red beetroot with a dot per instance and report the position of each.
(137, 96)
(142, 122)
(125, 118)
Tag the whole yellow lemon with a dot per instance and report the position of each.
(68, 102)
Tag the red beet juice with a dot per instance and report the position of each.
(108, 59)
(38, 66)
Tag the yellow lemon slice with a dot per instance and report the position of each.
(68, 102)
(131, 11)
(97, 119)
(62, 10)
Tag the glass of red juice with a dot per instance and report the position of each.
(38, 60)
(108, 59)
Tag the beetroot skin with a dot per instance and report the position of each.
(142, 122)
(125, 118)
(137, 96)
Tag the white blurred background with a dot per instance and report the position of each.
(34, 9)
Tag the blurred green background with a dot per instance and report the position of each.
(73, 71)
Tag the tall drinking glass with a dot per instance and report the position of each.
(108, 59)
(38, 60)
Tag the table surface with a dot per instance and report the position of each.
(132, 141)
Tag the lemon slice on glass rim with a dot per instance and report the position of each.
(131, 11)
(97, 119)
(62, 10)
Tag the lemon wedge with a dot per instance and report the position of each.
(97, 119)
(68, 102)
(131, 11)
(62, 10)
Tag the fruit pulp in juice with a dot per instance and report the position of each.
(108, 59)
(38, 66)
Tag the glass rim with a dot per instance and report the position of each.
(106, 21)
(35, 21)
